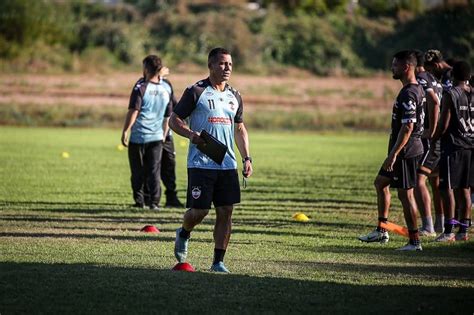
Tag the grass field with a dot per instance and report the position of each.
(70, 243)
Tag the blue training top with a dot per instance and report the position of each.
(216, 112)
(154, 103)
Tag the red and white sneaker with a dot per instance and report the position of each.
(462, 236)
(443, 237)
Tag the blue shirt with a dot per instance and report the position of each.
(216, 112)
(153, 101)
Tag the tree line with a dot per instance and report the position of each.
(325, 37)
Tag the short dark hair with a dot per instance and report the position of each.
(461, 71)
(215, 52)
(420, 58)
(407, 56)
(153, 64)
(433, 56)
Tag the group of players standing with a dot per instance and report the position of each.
(432, 138)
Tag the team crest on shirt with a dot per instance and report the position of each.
(196, 192)
(232, 105)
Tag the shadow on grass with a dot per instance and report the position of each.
(165, 218)
(431, 250)
(87, 289)
(143, 238)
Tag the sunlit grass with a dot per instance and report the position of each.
(70, 242)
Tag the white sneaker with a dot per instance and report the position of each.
(375, 236)
(427, 233)
(410, 247)
(443, 237)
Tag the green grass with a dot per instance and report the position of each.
(70, 243)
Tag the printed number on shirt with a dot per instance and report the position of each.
(211, 104)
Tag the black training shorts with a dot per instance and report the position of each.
(205, 186)
(456, 169)
(404, 173)
(431, 155)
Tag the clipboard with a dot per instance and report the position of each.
(213, 148)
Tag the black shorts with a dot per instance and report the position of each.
(404, 173)
(431, 155)
(205, 186)
(456, 170)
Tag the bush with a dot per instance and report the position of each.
(309, 42)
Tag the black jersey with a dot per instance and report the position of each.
(447, 80)
(460, 133)
(429, 83)
(408, 108)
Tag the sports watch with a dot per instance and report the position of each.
(247, 158)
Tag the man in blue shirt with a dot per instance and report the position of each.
(147, 118)
(214, 106)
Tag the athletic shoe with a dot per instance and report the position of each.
(462, 236)
(139, 205)
(375, 236)
(154, 206)
(175, 203)
(443, 237)
(410, 247)
(180, 247)
(219, 267)
(439, 229)
(427, 233)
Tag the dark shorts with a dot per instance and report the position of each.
(220, 187)
(404, 173)
(456, 170)
(431, 155)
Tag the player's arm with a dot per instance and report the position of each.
(402, 139)
(134, 107)
(432, 101)
(444, 118)
(242, 141)
(130, 119)
(178, 125)
(186, 105)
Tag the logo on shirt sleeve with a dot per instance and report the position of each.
(410, 106)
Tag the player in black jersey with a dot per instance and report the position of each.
(405, 149)
(456, 130)
(435, 64)
(428, 167)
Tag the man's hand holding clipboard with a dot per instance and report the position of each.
(210, 146)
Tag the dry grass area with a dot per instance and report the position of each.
(258, 92)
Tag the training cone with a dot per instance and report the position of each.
(183, 267)
(395, 228)
(150, 229)
(65, 155)
(300, 217)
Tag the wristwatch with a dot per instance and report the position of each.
(247, 158)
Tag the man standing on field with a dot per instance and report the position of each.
(146, 124)
(405, 149)
(456, 131)
(212, 105)
(428, 168)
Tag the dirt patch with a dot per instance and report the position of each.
(260, 93)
